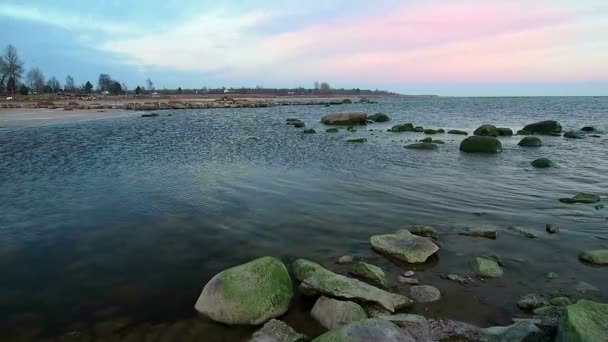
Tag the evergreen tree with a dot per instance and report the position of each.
(88, 87)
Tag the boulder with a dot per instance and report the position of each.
(504, 132)
(522, 132)
(408, 127)
(251, 293)
(404, 246)
(334, 314)
(327, 283)
(372, 329)
(277, 331)
(430, 131)
(573, 135)
(487, 131)
(598, 257)
(345, 119)
(487, 268)
(531, 301)
(418, 129)
(485, 232)
(425, 294)
(303, 268)
(541, 163)
(447, 330)
(345, 259)
(441, 130)
(422, 230)
(519, 331)
(415, 325)
(357, 140)
(481, 144)
(530, 142)
(544, 127)
(295, 123)
(422, 146)
(379, 117)
(426, 140)
(581, 198)
(551, 229)
(370, 272)
(588, 129)
(585, 321)
(457, 132)
(523, 232)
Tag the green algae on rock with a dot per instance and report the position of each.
(487, 268)
(345, 119)
(457, 132)
(481, 144)
(487, 130)
(309, 131)
(250, 293)
(542, 163)
(581, 198)
(372, 329)
(379, 117)
(277, 331)
(598, 257)
(370, 272)
(530, 142)
(303, 268)
(585, 321)
(332, 130)
(422, 146)
(404, 246)
(485, 232)
(544, 127)
(407, 127)
(422, 230)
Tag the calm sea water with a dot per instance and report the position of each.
(126, 218)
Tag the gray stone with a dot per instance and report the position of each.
(370, 272)
(277, 331)
(598, 257)
(372, 329)
(531, 301)
(561, 301)
(520, 331)
(409, 280)
(422, 230)
(345, 259)
(485, 232)
(415, 325)
(487, 268)
(523, 232)
(551, 229)
(425, 294)
(404, 246)
(447, 330)
(584, 287)
(333, 314)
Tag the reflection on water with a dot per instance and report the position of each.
(117, 224)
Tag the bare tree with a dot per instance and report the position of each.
(149, 84)
(70, 85)
(54, 84)
(10, 66)
(104, 82)
(35, 80)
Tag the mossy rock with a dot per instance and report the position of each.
(430, 131)
(303, 268)
(277, 331)
(427, 140)
(522, 132)
(372, 329)
(531, 301)
(422, 146)
(332, 130)
(370, 272)
(585, 321)
(379, 117)
(441, 130)
(407, 127)
(419, 129)
(581, 198)
(345, 119)
(424, 231)
(457, 132)
(334, 314)
(542, 163)
(504, 132)
(484, 232)
(573, 135)
(404, 246)
(544, 127)
(309, 131)
(487, 131)
(598, 257)
(588, 129)
(530, 142)
(248, 294)
(481, 144)
(487, 268)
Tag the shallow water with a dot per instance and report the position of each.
(128, 217)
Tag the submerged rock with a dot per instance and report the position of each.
(357, 140)
(419, 129)
(598, 257)
(325, 282)
(588, 129)
(561, 301)
(523, 232)
(422, 146)
(408, 280)
(542, 163)
(303, 268)
(544, 127)
(430, 131)
(251, 293)
(332, 130)
(481, 144)
(404, 246)
(519, 331)
(309, 131)
(346, 119)
(447, 330)
(370, 272)
(485, 232)
(531, 301)
(425, 231)
(504, 132)
(427, 140)
(415, 325)
(585, 321)
(379, 117)
(457, 132)
(487, 131)
(441, 130)
(551, 229)
(425, 294)
(277, 331)
(584, 287)
(573, 135)
(487, 268)
(345, 259)
(333, 314)
(407, 127)
(295, 122)
(530, 142)
(581, 198)
(372, 329)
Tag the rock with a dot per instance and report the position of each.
(345, 259)
(379, 117)
(408, 127)
(277, 331)
(551, 229)
(441, 130)
(487, 130)
(309, 131)
(548, 311)
(430, 131)
(438, 142)
(456, 278)
(300, 124)
(561, 301)
(584, 287)
(303, 268)
(573, 135)
(68, 109)
(422, 146)
(531, 301)
(447, 330)
(542, 163)
(149, 115)
(427, 140)
(485, 232)
(295, 122)
(347, 101)
(588, 129)
(370, 272)
(345, 119)
(581, 198)
(530, 142)
(523, 232)
(425, 231)
(544, 127)
(520, 331)
(415, 325)
(504, 132)
(551, 275)
(585, 321)
(332, 130)
(351, 129)
(357, 140)
(457, 132)
(372, 329)
(408, 280)
(425, 294)
(251, 293)
(598, 257)
(334, 285)
(522, 132)
(487, 268)
(481, 144)
(404, 246)
(334, 314)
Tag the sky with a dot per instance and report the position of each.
(447, 47)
